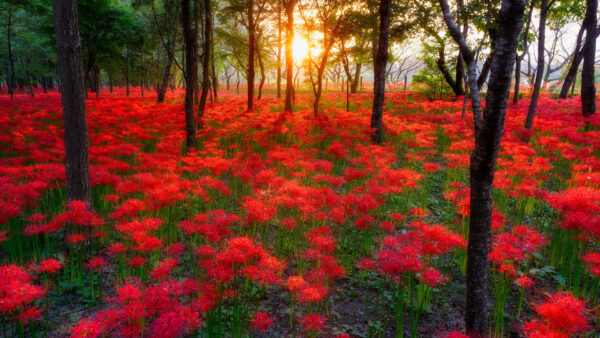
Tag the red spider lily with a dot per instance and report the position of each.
(17, 293)
(432, 278)
(116, 249)
(49, 265)
(313, 322)
(96, 263)
(524, 282)
(562, 314)
(261, 322)
(592, 262)
(516, 246)
(86, 329)
(164, 269)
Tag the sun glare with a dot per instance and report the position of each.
(300, 49)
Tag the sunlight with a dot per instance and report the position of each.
(300, 49)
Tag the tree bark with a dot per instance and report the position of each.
(588, 90)
(379, 71)
(191, 71)
(522, 55)
(577, 58)
(539, 76)
(483, 162)
(251, 47)
(485, 69)
(70, 71)
(127, 69)
(262, 71)
(469, 58)
(205, 60)
(441, 64)
(289, 55)
(11, 61)
(279, 49)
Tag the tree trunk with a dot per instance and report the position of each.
(356, 77)
(483, 162)
(441, 64)
(588, 90)
(28, 77)
(68, 51)
(262, 71)
(289, 55)
(251, 46)
(485, 69)
(11, 61)
(214, 77)
(577, 58)
(191, 71)
(205, 60)
(379, 71)
(127, 69)
(539, 76)
(279, 49)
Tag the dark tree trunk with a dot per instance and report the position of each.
(483, 162)
(11, 61)
(485, 70)
(214, 77)
(127, 69)
(539, 76)
(262, 71)
(289, 55)
(205, 59)
(28, 77)
(577, 58)
(171, 33)
(110, 82)
(191, 71)
(522, 55)
(443, 68)
(251, 47)
(354, 84)
(279, 49)
(68, 51)
(588, 90)
(379, 72)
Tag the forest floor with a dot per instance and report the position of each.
(294, 223)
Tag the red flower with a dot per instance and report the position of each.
(563, 313)
(313, 322)
(96, 263)
(261, 322)
(86, 329)
(50, 265)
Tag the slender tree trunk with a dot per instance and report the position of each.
(205, 59)
(127, 69)
(289, 55)
(588, 89)
(251, 47)
(214, 77)
(11, 61)
(577, 58)
(262, 71)
(28, 77)
(539, 76)
(443, 68)
(485, 69)
(68, 50)
(354, 85)
(279, 49)
(191, 71)
(483, 159)
(380, 67)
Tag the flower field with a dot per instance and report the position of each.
(289, 225)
